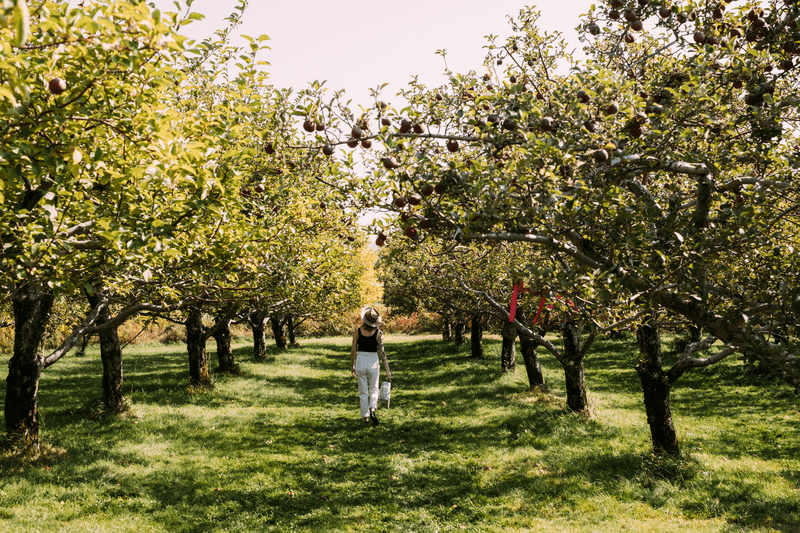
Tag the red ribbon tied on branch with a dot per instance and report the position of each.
(519, 287)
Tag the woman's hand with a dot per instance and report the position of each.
(353, 371)
(389, 376)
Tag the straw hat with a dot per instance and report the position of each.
(371, 317)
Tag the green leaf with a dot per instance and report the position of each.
(22, 22)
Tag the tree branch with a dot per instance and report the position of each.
(550, 347)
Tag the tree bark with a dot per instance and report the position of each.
(656, 388)
(508, 353)
(257, 325)
(278, 332)
(530, 357)
(196, 346)
(573, 367)
(460, 330)
(476, 336)
(111, 356)
(290, 331)
(32, 308)
(533, 367)
(227, 364)
(447, 330)
(84, 345)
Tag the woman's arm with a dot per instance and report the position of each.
(353, 353)
(382, 356)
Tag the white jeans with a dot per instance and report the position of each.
(368, 372)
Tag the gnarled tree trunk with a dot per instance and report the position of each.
(32, 307)
(573, 367)
(476, 336)
(258, 327)
(533, 367)
(290, 325)
(111, 356)
(224, 353)
(459, 331)
(447, 329)
(278, 332)
(196, 346)
(530, 357)
(656, 388)
(508, 353)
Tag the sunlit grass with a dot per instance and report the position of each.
(463, 448)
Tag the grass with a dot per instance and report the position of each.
(464, 447)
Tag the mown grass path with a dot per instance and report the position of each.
(463, 448)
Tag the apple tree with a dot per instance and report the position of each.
(660, 171)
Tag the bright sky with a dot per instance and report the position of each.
(359, 44)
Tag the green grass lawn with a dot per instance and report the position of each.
(463, 447)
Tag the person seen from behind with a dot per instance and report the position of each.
(365, 354)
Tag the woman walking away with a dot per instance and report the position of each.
(367, 349)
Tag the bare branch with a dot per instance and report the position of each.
(552, 242)
(687, 360)
(520, 327)
(76, 335)
(79, 229)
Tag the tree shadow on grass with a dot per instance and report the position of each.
(457, 441)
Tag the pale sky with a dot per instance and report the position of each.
(358, 44)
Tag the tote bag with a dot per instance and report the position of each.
(385, 392)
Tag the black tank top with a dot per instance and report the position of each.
(367, 344)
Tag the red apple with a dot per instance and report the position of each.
(601, 156)
(389, 163)
(57, 85)
(699, 37)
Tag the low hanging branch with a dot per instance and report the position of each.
(520, 327)
(687, 360)
(88, 326)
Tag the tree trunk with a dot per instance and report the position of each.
(111, 356)
(278, 332)
(257, 325)
(84, 345)
(32, 309)
(460, 330)
(532, 366)
(447, 330)
(290, 331)
(656, 388)
(476, 336)
(573, 367)
(196, 345)
(224, 353)
(508, 353)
